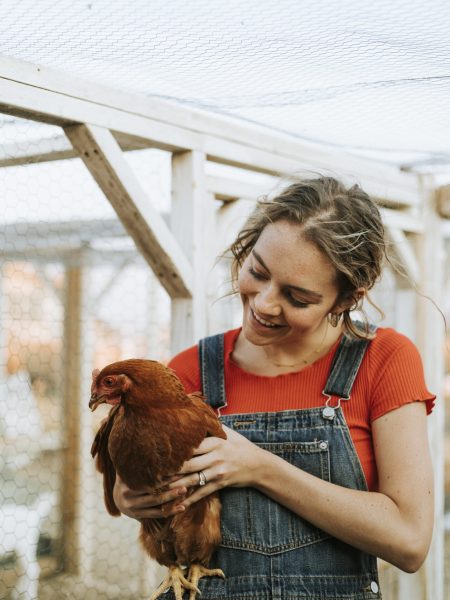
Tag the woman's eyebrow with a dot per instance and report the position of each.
(316, 295)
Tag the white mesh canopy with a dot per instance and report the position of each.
(370, 78)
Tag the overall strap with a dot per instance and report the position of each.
(211, 358)
(345, 365)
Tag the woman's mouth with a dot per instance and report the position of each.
(262, 321)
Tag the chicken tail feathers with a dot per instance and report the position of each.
(103, 462)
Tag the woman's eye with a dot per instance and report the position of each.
(256, 274)
(295, 302)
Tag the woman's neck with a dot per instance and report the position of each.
(274, 359)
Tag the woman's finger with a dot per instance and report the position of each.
(209, 444)
(158, 513)
(199, 493)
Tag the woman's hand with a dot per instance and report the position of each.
(232, 462)
(148, 503)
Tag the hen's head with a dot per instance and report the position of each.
(135, 382)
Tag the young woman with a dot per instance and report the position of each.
(326, 465)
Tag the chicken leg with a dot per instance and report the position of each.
(177, 581)
(196, 572)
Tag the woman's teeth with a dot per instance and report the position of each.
(262, 321)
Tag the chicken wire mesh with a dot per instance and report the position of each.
(75, 293)
(368, 78)
(70, 275)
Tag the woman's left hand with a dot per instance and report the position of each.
(231, 462)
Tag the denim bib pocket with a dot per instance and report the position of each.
(252, 521)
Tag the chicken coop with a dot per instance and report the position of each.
(135, 139)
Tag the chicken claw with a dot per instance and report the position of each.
(177, 581)
(196, 572)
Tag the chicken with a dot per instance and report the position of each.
(152, 428)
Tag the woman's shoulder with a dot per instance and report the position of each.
(186, 363)
(395, 373)
(388, 341)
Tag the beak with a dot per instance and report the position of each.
(95, 401)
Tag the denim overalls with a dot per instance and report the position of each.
(268, 552)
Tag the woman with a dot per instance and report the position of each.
(326, 465)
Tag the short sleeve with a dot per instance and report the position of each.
(399, 380)
(185, 364)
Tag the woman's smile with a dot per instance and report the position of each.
(262, 321)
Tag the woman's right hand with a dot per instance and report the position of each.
(148, 503)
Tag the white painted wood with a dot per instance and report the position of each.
(104, 159)
(46, 95)
(190, 218)
(402, 220)
(404, 253)
(43, 150)
(230, 219)
(227, 189)
(47, 149)
(430, 336)
(37, 235)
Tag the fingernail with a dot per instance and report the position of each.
(180, 508)
(181, 491)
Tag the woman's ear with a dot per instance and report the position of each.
(350, 302)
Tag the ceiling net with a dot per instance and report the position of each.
(370, 78)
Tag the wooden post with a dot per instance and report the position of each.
(430, 340)
(78, 471)
(3, 337)
(190, 219)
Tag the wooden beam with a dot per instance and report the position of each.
(406, 256)
(227, 189)
(47, 95)
(430, 340)
(230, 190)
(104, 159)
(58, 235)
(49, 149)
(191, 225)
(402, 220)
(75, 420)
(443, 201)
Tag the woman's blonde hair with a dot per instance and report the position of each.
(344, 223)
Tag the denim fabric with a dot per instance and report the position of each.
(267, 551)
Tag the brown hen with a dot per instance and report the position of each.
(152, 428)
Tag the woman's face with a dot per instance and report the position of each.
(287, 287)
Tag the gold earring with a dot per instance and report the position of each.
(333, 319)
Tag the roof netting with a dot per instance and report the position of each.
(370, 78)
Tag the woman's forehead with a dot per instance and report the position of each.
(284, 249)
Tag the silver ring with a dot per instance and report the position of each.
(201, 479)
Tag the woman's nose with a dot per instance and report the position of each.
(266, 302)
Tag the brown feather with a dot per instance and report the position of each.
(147, 438)
(104, 463)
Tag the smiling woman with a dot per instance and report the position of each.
(326, 463)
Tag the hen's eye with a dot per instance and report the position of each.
(108, 381)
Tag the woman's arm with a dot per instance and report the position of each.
(394, 523)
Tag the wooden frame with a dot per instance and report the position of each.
(101, 122)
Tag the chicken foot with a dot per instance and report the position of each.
(196, 572)
(177, 581)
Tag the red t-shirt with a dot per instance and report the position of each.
(390, 375)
